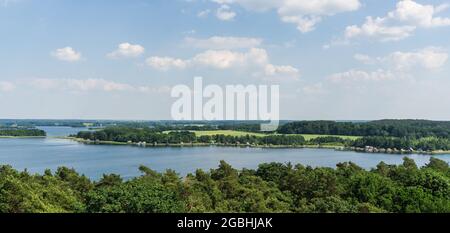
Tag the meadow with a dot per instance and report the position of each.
(242, 133)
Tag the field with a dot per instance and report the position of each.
(312, 136)
(240, 133)
(227, 132)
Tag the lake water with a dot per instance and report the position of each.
(36, 155)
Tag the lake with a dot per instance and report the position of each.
(36, 155)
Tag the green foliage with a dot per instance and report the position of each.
(424, 144)
(21, 132)
(151, 136)
(24, 193)
(390, 128)
(143, 195)
(271, 188)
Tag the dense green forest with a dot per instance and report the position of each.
(271, 187)
(386, 128)
(21, 132)
(155, 135)
(424, 144)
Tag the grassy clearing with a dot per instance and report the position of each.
(312, 136)
(224, 132)
(240, 133)
(227, 132)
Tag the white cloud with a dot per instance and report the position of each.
(161, 89)
(204, 13)
(254, 59)
(366, 59)
(361, 75)
(394, 66)
(223, 59)
(220, 59)
(85, 85)
(400, 23)
(281, 71)
(6, 86)
(127, 50)
(304, 13)
(304, 24)
(67, 54)
(429, 58)
(166, 63)
(317, 88)
(225, 13)
(79, 84)
(377, 28)
(414, 13)
(219, 42)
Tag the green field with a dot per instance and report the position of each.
(312, 136)
(241, 133)
(226, 132)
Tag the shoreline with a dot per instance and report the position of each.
(19, 137)
(196, 144)
(330, 147)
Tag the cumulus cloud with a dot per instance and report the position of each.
(225, 13)
(127, 50)
(166, 63)
(378, 29)
(254, 59)
(429, 58)
(80, 84)
(223, 59)
(66, 54)
(303, 13)
(6, 86)
(220, 42)
(361, 75)
(304, 24)
(394, 66)
(317, 88)
(401, 22)
(203, 13)
(366, 59)
(220, 59)
(84, 85)
(281, 71)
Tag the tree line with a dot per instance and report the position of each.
(385, 128)
(21, 132)
(424, 144)
(272, 187)
(155, 135)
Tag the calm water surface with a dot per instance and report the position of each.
(36, 155)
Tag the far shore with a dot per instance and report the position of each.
(18, 137)
(333, 147)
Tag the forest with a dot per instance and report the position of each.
(421, 144)
(21, 132)
(401, 135)
(385, 128)
(273, 188)
(155, 135)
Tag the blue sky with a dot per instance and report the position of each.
(333, 59)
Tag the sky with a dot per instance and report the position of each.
(333, 59)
